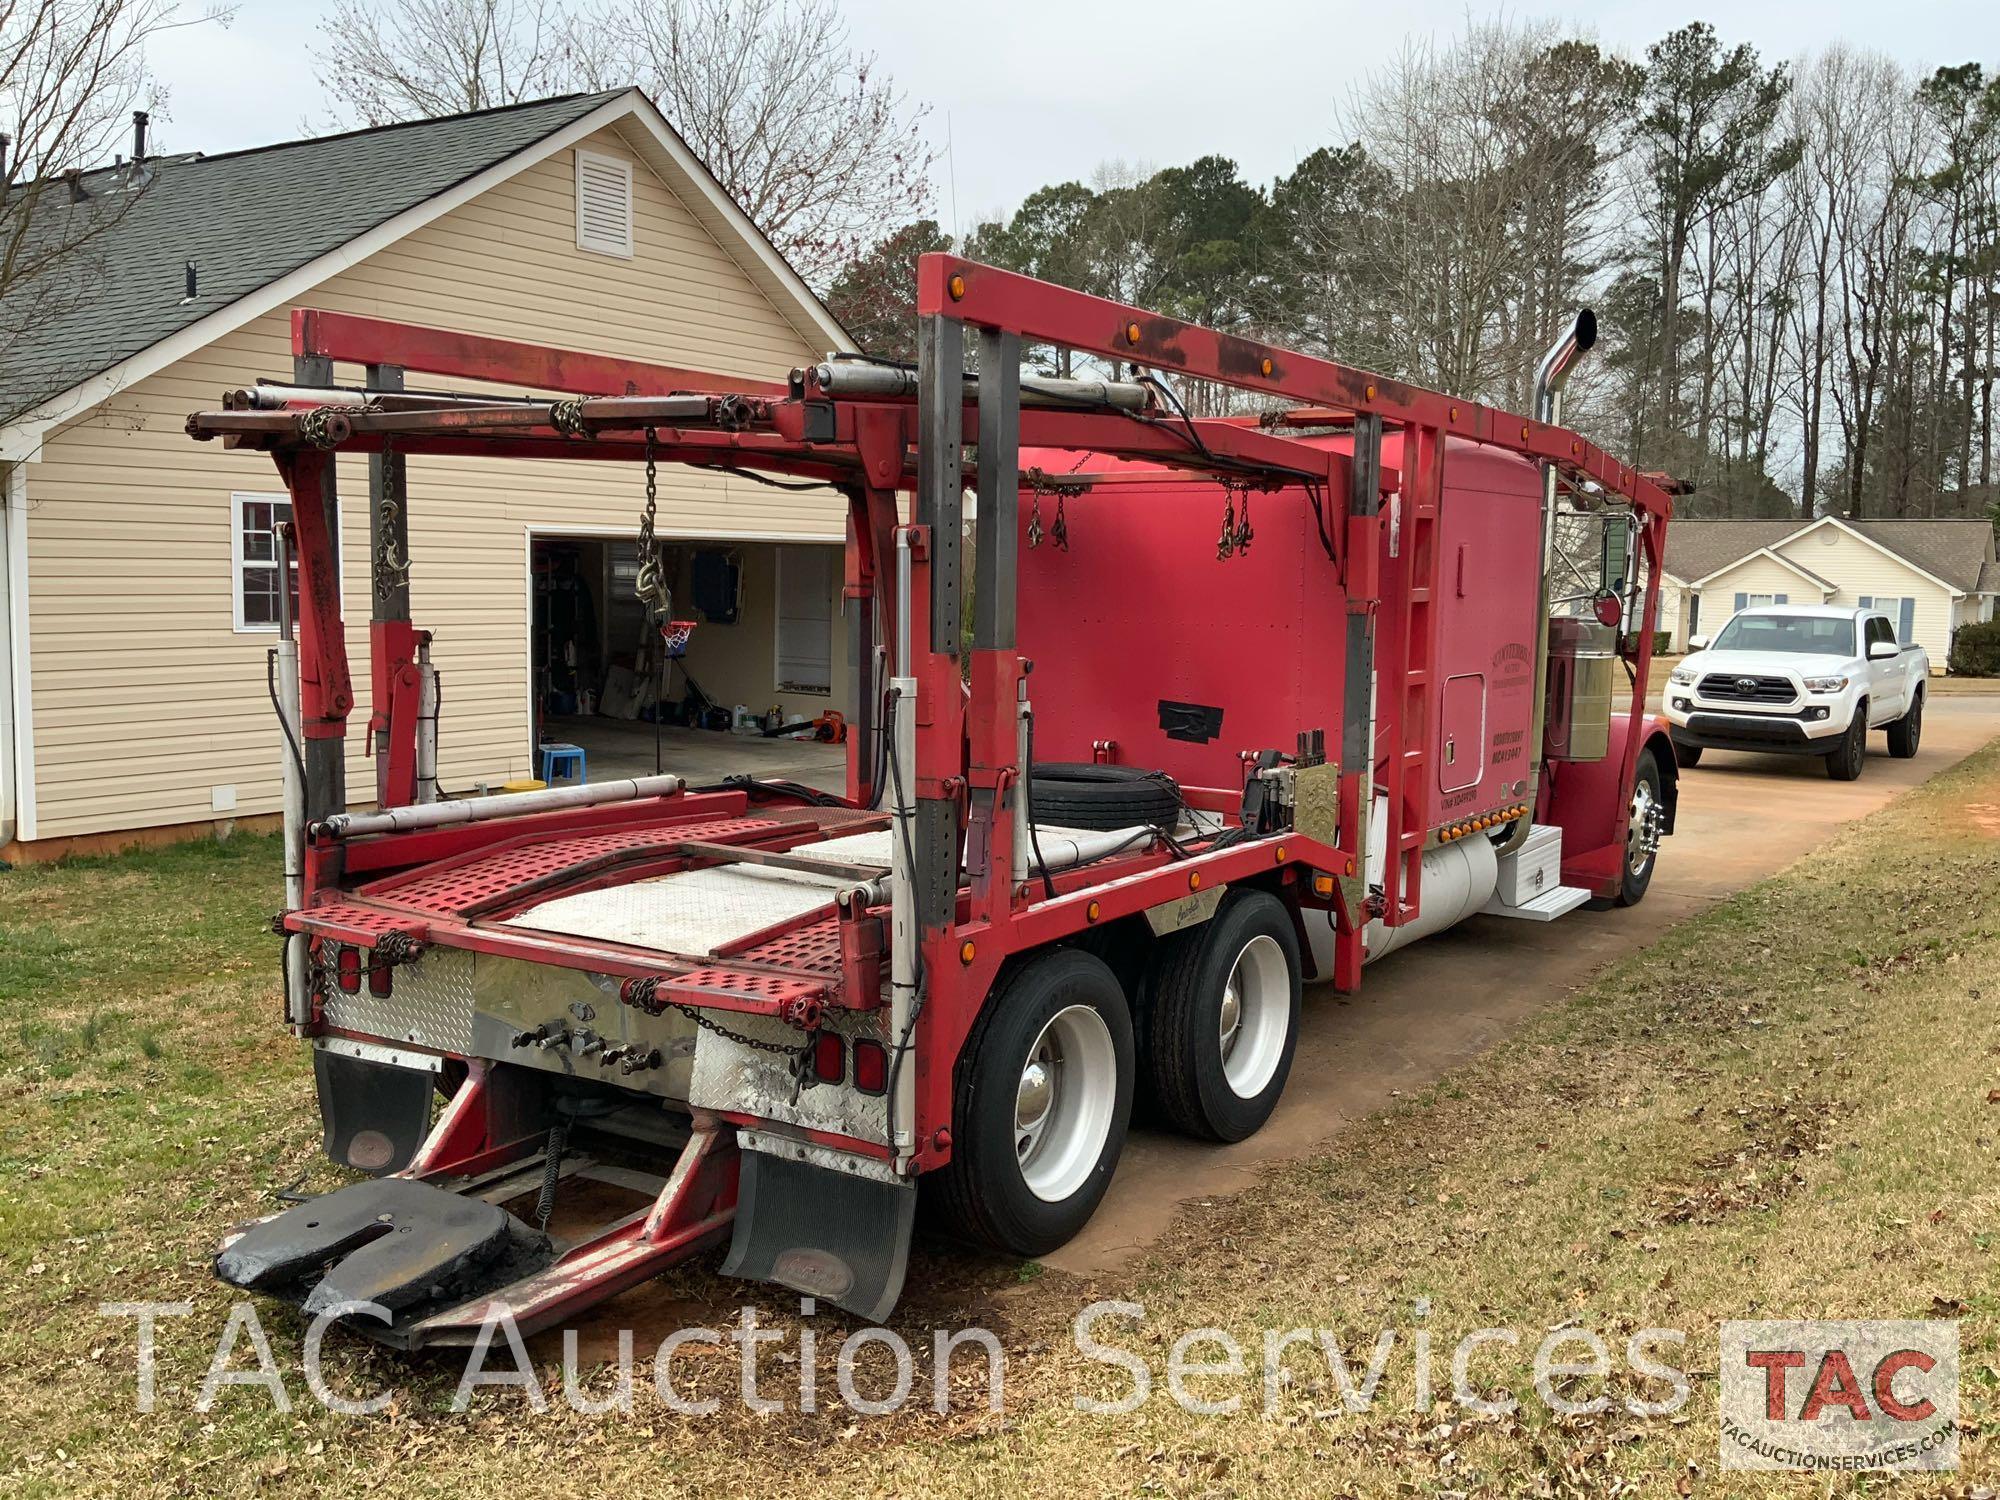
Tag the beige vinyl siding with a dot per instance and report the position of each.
(1673, 616)
(1754, 575)
(1859, 570)
(146, 697)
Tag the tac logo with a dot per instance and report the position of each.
(1840, 1396)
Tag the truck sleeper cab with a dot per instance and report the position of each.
(1092, 853)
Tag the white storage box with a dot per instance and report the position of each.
(1533, 869)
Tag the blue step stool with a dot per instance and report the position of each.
(568, 757)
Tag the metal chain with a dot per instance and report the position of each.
(1236, 532)
(1040, 483)
(567, 417)
(314, 422)
(392, 566)
(778, 1049)
(650, 587)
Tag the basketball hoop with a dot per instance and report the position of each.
(675, 635)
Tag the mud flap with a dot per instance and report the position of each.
(831, 1235)
(375, 1115)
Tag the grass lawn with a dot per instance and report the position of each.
(1788, 1107)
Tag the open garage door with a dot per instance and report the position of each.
(759, 687)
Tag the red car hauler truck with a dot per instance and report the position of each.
(1246, 702)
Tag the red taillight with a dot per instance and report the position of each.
(829, 1058)
(379, 977)
(871, 1067)
(348, 966)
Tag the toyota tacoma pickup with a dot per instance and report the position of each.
(1799, 680)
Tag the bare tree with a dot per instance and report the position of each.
(71, 72)
(816, 143)
(418, 58)
(1494, 151)
(806, 133)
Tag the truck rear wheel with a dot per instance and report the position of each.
(1222, 1019)
(1851, 754)
(1043, 1097)
(1908, 732)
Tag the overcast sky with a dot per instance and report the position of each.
(1028, 92)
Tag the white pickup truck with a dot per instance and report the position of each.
(1799, 679)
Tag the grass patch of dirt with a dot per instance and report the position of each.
(1787, 1107)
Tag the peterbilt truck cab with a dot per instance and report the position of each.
(1799, 680)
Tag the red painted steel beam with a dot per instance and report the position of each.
(987, 296)
(468, 356)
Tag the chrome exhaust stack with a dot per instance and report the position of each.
(1551, 375)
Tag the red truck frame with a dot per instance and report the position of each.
(939, 720)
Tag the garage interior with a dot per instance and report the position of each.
(758, 688)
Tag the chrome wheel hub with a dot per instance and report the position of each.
(1255, 1018)
(1642, 835)
(1064, 1101)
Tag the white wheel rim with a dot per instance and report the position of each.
(1256, 1016)
(1063, 1103)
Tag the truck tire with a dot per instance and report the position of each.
(1221, 1019)
(1851, 754)
(1687, 755)
(1082, 794)
(1648, 802)
(1908, 732)
(1043, 1094)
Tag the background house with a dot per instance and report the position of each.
(140, 592)
(1929, 576)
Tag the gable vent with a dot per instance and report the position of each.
(603, 204)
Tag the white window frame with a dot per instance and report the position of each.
(1891, 606)
(594, 244)
(834, 598)
(238, 562)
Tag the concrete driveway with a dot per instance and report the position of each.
(1422, 1011)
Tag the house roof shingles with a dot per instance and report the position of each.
(1952, 549)
(246, 218)
(1696, 549)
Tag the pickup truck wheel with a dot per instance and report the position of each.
(1908, 732)
(1642, 830)
(1043, 1096)
(1848, 757)
(1222, 1019)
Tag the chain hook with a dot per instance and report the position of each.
(650, 587)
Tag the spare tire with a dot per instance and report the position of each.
(1083, 794)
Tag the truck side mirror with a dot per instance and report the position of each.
(1883, 650)
(1697, 643)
